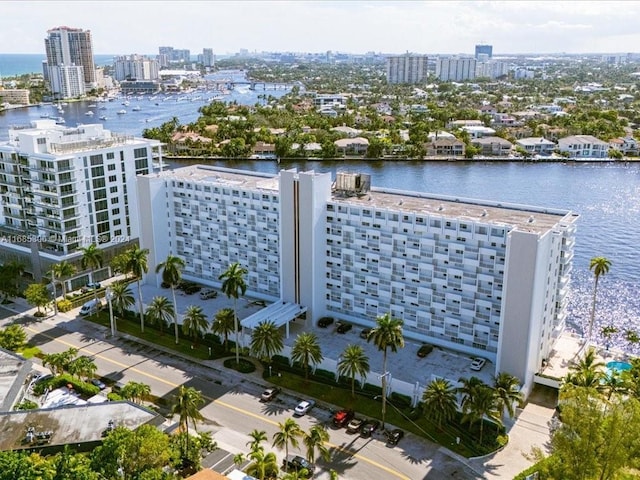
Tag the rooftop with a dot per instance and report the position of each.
(221, 176)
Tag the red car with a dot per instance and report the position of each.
(341, 418)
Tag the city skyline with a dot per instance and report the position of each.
(349, 26)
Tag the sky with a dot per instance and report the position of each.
(383, 26)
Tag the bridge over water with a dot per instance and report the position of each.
(228, 84)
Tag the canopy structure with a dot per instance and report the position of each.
(280, 313)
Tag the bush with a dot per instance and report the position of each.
(64, 305)
(321, 374)
(26, 405)
(245, 366)
(371, 390)
(85, 389)
(401, 401)
(114, 397)
(40, 314)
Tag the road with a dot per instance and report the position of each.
(232, 408)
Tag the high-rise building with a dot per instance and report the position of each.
(478, 277)
(69, 47)
(484, 49)
(406, 68)
(135, 67)
(208, 58)
(174, 55)
(65, 188)
(66, 81)
(455, 69)
(491, 69)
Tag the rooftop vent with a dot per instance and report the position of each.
(441, 208)
(484, 213)
(352, 184)
(531, 219)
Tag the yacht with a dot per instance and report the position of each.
(89, 113)
(136, 108)
(103, 117)
(122, 112)
(60, 121)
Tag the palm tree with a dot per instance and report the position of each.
(161, 311)
(386, 335)
(194, 323)
(257, 437)
(288, 434)
(306, 350)
(353, 361)
(263, 465)
(223, 324)
(614, 382)
(482, 404)
(631, 336)
(600, 266)
(171, 274)
(82, 367)
(121, 297)
(439, 400)
(187, 407)
(266, 340)
(61, 271)
(315, 440)
(607, 332)
(135, 391)
(507, 391)
(233, 285)
(136, 264)
(91, 259)
(468, 390)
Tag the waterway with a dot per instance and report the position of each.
(606, 195)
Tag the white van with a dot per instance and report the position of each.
(91, 307)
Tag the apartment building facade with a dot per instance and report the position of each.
(65, 188)
(480, 278)
(135, 67)
(407, 68)
(455, 69)
(69, 47)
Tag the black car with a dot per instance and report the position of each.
(365, 333)
(324, 322)
(343, 327)
(425, 350)
(368, 427)
(394, 436)
(296, 463)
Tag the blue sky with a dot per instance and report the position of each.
(123, 27)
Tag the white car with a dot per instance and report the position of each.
(208, 293)
(477, 364)
(303, 407)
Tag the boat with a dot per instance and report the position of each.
(93, 105)
(125, 103)
(102, 108)
(44, 115)
(60, 121)
(89, 113)
(122, 112)
(103, 117)
(136, 108)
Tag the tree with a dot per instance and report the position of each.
(121, 297)
(82, 367)
(13, 337)
(315, 440)
(59, 362)
(37, 295)
(172, 273)
(387, 334)
(223, 324)
(588, 372)
(482, 404)
(9, 274)
(160, 312)
(600, 266)
(439, 400)
(194, 323)
(137, 265)
(288, 434)
(607, 332)
(62, 271)
(257, 437)
(468, 390)
(353, 361)
(187, 407)
(263, 465)
(92, 260)
(233, 286)
(266, 340)
(137, 392)
(306, 350)
(507, 390)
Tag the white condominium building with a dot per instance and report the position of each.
(65, 188)
(481, 278)
(454, 69)
(407, 68)
(135, 67)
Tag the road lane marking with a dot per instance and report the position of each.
(212, 400)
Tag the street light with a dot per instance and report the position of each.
(109, 294)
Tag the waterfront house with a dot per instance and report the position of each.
(493, 146)
(264, 150)
(352, 146)
(445, 146)
(478, 131)
(348, 131)
(626, 145)
(537, 146)
(583, 146)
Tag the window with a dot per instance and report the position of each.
(111, 167)
(140, 153)
(95, 160)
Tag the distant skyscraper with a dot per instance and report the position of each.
(208, 58)
(486, 49)
(71, 46)
(454, 69)
(135, 67)
(406, 68)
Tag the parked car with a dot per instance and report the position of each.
(270, 393)
(208, 293)
(191, 288)
(364, 334)
(303, 407)
(368, 427)
(91, 307)
(354, 425)
(342, 417)
(98, 383)
(324, 322)
(90, 287)
(343, 327)
(42, 378)
(296, 463)
(478, 363)
(425, 350)
(394, 436)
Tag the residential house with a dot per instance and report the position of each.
(478, 131)
(493, 145)
(537, 146)
(262, 150)
(583, 146)
(352, 146)
(445, 146)
(348, 131)
(626, 145)
(312, 147)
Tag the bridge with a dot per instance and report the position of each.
(228, 84)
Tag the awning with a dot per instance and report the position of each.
(280, 313)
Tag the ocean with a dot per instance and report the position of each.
(12, 64)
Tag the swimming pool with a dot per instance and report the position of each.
(617, 367)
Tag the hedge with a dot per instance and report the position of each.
(85, 389)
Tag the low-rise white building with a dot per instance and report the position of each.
(583, 146)
(537, 146)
